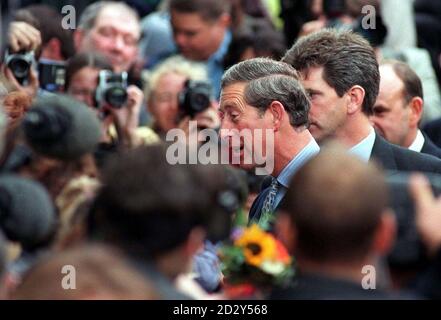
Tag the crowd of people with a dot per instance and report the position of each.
(348, 117)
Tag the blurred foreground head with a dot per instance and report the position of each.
(335, 211)
(94, 272)
(27, 215)
(60, 127)
(161, 213)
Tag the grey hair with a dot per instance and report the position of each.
(267, 81)
(89, 15)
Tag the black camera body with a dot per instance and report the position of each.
(52, 75)
(195, 97)
(112, 89)
(20, 63)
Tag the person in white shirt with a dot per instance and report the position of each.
(399, 108)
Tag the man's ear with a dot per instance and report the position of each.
(416, 108)
(286, 231)
(355, 99)
(277, 111)
(224, 20)
(195, 241)
(384, 237)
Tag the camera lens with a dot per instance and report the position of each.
(19, 67)
(200, 102)
(116, 96)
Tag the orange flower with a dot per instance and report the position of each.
(258, 245)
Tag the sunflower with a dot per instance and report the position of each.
(258, 245)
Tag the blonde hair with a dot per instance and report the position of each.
(176, 64)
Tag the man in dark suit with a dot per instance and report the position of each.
(264, 116)
(337, 237)
(399, 108)
(340, 71)
(433, 131)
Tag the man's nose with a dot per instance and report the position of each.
(225, 130)
(119, 43)
(180, 39)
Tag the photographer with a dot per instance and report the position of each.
(118, 122)
(18, 65)
(168, 97)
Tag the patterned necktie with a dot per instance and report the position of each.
(268, 203)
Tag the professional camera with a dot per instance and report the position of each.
(112, 89)
(51, 75)
(20, 64)
(195, 97)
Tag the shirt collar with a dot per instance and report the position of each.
(418, 143)
(311, 149)
(218, 56)
(364, 148)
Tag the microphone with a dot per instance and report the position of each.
(60, 127)
(27, 214)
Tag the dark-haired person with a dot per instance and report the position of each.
(56, 41)
(160, 214)
(201, 32)
(264, 98)
(399, 108)
(340, 72)
(258, 40)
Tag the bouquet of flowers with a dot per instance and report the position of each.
(255, 260)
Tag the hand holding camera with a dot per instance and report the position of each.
(119, 103)
(30, 86)
(112, 89)
(19, 58)
(23, 36)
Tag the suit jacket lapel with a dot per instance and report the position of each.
(382, 152)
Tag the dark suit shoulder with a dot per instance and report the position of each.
(318, 287)
(433, 130)
(393, 157)
(430, 148)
